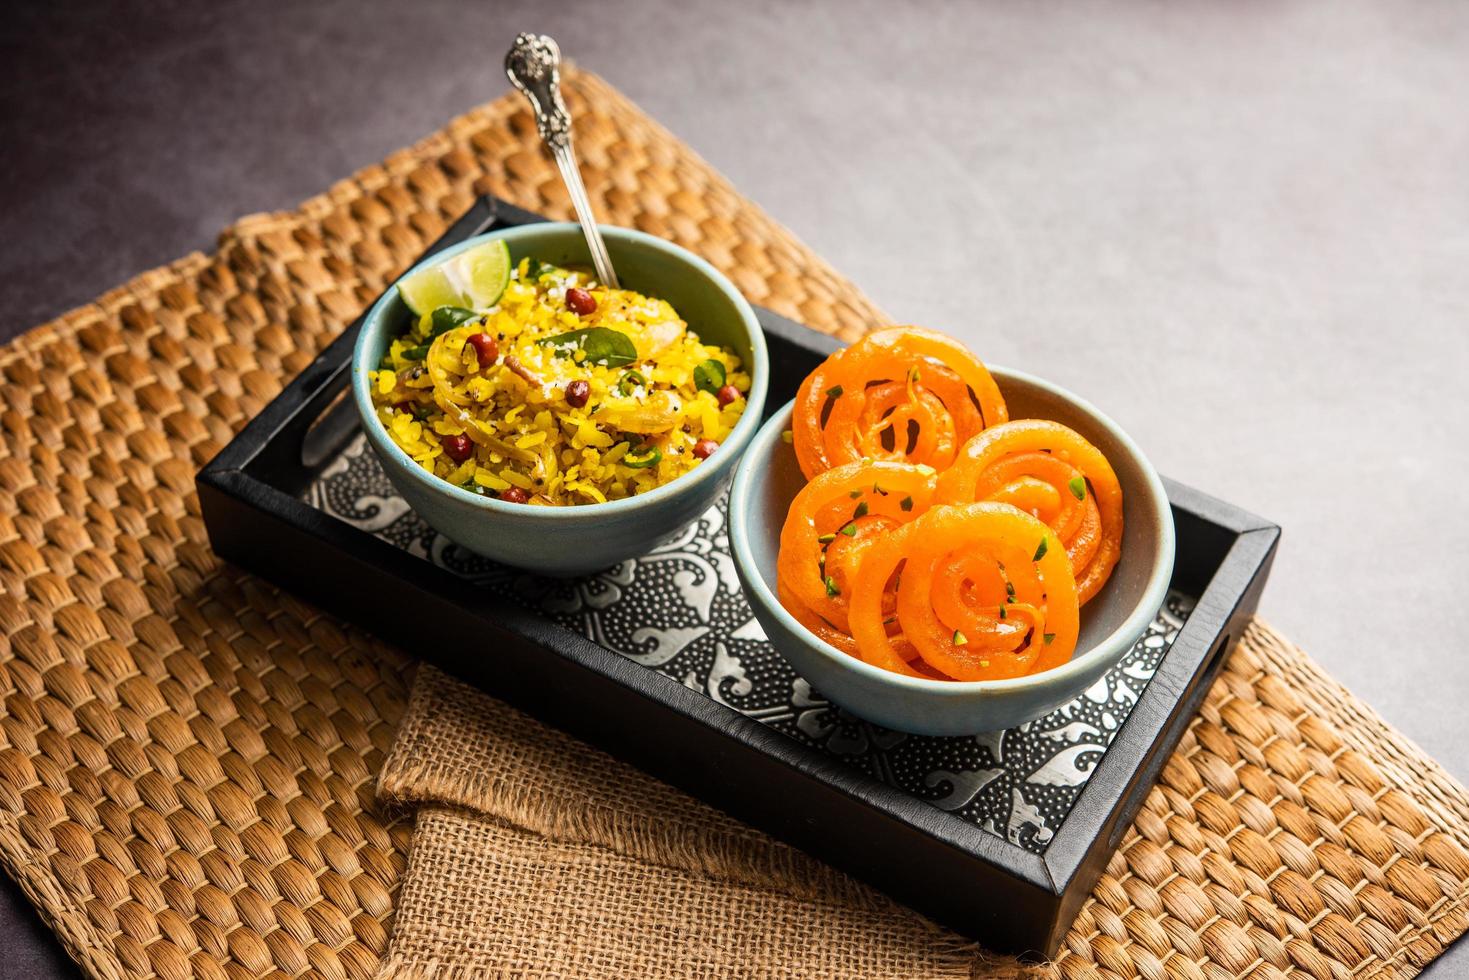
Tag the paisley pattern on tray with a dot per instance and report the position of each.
(679, 610)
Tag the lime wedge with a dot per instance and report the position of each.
(473, 279)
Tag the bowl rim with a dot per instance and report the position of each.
(733, 446)
(1111, 647)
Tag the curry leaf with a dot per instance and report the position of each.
(709, 376)
(446, 318)
(602, 345)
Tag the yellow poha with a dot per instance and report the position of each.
(534, 402)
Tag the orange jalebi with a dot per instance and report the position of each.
(979, 592)
(1052, 473)
(831, 524)
(902, 394)
(936, 538)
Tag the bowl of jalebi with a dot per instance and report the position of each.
(946, 548)
(540, 417)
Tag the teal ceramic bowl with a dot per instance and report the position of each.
(768, 479)
(576, 540)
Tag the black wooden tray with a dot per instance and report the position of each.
(1000, 836)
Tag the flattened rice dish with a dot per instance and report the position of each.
(562, 392)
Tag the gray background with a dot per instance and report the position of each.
(1242, 229)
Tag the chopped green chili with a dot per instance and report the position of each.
(642, 457)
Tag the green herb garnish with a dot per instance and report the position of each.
(831, 586)
(642, 457)
(827, 538)
(851, 529)
(1049, 637)
(416, 353)
(861, 510)
(835, 391)
(854, 494)
(960, 639)
(1010, 590)
(629, 381)
(1040, 551)
(906, 503)
(1002, 612)
(602, 345)
(709, 376)
(446, 318)
(1078, 487)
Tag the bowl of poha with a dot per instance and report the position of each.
(535, 416)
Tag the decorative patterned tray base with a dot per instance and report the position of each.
(679, 610)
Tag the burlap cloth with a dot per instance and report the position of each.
(1269, 847)
(189, 759)
(536, 855)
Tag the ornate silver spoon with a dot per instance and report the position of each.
(534, 66)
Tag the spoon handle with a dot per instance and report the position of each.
(534, 66)
(572, 175)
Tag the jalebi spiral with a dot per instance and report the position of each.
(902, 394)
(1052, 473)
(831, 524)
(978, 592)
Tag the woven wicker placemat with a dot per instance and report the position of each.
(188, 756)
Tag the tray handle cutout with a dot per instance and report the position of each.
(329, 431)
(1135, 796)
